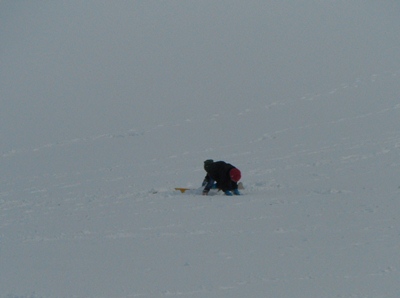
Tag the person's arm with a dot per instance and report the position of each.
(208, 183)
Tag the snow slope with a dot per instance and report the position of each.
(87, 206)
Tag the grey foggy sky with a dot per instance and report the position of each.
(80, 68)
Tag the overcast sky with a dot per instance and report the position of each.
(80, 68)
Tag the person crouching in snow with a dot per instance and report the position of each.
(221, 175)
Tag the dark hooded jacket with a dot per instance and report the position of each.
(219, 172)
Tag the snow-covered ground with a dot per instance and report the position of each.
(105, 108)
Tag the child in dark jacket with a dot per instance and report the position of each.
(225, 175)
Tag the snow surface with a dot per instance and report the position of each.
(102, 118)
